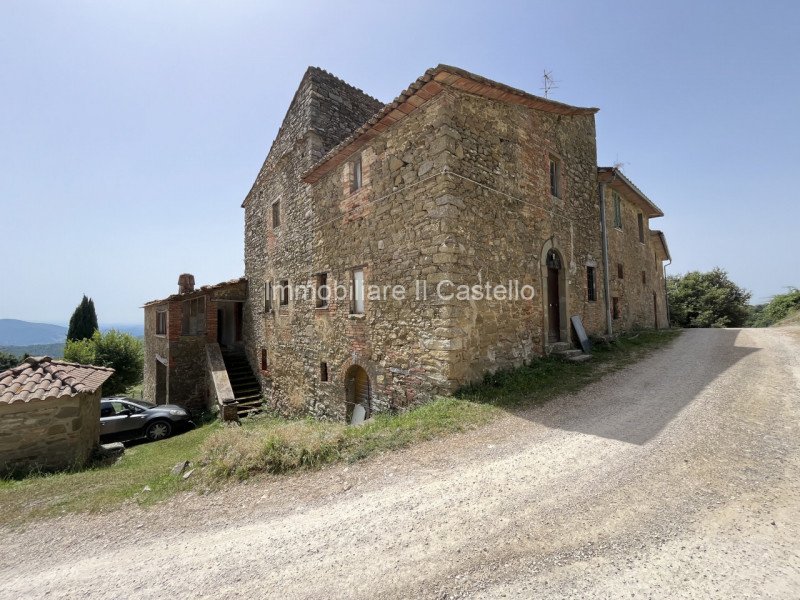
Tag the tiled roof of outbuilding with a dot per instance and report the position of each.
(198, 291)
(42, 378)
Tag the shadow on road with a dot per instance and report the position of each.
(635, 404)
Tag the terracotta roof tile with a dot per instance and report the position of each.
(198, 291)
(42, 378)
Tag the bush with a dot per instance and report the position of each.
(780, 307)
(120, 351)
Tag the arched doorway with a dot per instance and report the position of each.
(358, 396)
(555, 295)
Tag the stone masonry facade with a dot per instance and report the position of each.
(459, 181)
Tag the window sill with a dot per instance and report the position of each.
(355, 316)
(161, 335)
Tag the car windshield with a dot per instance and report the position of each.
(142, 403)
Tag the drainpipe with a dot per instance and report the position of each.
(606, 281)
(666, 296)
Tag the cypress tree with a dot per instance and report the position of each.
(83, 322)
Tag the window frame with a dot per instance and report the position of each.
(554, 169)
(162, 314)
(321, 291)
(640, 221)
(591, 283)
(285, 296)
(268, 293)
(357, 305)
(620, 271)
(616, 200)
(356, 174)
(324, 372)
(194, 319)
(276, 214)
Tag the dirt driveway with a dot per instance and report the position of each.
(674, 478)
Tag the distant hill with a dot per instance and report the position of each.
(51, 350)
(14, 332)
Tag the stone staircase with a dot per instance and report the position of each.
(246, 388)
(564, 351)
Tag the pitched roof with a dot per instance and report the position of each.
(616, 179)
(663, 239)
(431, 84)
(42, 378)
(198, 292)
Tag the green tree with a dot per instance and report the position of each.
(778, 308)
(8, 361)
(83, 322)
(120, 351)
(707, 300)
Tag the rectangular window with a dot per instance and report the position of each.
(323, 371)
(555, 178)
(322, 290)
(276, 214)
(615, 308)
(644, 277)
(591, 288)
(358, 292)
(617, 211)
(641, 227)
(284, 292)
(264, 360)
(161, 322)
(356, 181)
(194, 316)
(620, 272)
(268, 296)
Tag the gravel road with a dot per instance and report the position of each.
(673, 478)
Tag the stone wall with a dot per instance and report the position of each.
(49, 434)
(635, 291)
(323, 111)
(504, 221)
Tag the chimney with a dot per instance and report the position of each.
(185, 283)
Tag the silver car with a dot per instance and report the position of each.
(127, 419)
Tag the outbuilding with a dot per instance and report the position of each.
(49, 414)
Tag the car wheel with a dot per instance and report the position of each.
(158, 430)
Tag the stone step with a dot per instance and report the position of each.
(579, 358)
(569, 353)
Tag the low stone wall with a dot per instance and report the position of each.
(49, 434)
(219, 386)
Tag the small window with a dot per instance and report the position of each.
(264, 360)
(284, 291)
(644, 277)
(268, 296)
(617, 211)
(323, 371)
(358, 291)
(322, 290)
(555, 178)
(356, 180)
(194, 316)
(161, 322)
(641, 227)
(615, 308)
(591, 287)
(276, 214)
(620, 272)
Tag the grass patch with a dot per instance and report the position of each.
(274, 445)
(277, 446)
(548, 377)
(104, 487)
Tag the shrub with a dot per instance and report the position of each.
(120, 351)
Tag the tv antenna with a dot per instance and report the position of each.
(549, 83)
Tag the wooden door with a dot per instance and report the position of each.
(553, 306)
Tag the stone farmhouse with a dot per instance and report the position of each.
(461, 183)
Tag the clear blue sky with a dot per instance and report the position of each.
(130, 131)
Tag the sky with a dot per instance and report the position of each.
(130, 131)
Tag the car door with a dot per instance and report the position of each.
(118, 417)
